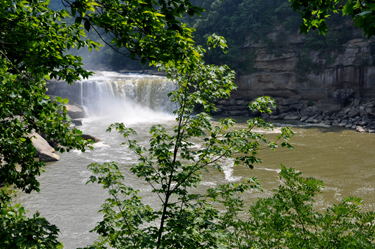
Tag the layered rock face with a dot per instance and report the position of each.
(350, 68)
(332, 81)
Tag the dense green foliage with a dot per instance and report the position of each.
(315, 13)
(34, 45)
(32, 48)
(288, 219)
(147, 30)
(34, 41)
(173, 167)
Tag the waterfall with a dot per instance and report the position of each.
(113, 94)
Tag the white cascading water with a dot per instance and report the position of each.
(132, 97)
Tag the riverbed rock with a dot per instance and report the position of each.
(44, 150)
(310, 111)
(342, 94)
(304, 118)
(283, 115)
(297, 106)
(327, 122)
(75, 111)
(292, 117)
(48, 157)
(370, 111)
(284, 108)
(86, 137)
(289, 101)
(77, 122)
(343, 123)
(353, 113)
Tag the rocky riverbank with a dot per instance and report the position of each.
(358, 115)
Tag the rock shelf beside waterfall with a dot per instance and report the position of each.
(356, 115)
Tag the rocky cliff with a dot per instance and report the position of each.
(329, 80)
(312, 74)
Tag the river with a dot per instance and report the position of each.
(343, 159)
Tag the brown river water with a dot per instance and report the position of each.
(342, 158)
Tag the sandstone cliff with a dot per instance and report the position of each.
(351, 67)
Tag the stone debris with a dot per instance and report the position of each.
(358, 114)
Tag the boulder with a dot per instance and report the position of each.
(304, 118)
(356, 102)
(75, 111)
(363, 122)
(370, 111)
(353, 113)
(316, 120)
(44, 150)
(48, 157)
(241, 113)
(284, 108)
(86, 137)
(347, 110)
(335, 123)
(283, 115)
(327, 122)
(297, 106)
(292, 117)
(289, 102)
(40, 144)
(363, 113)
(77, 122)
(311, 111)
(342, 94)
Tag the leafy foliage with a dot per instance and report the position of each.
(148, 29)
(19, 231)
(32, 46)
(315, 13)
(288, 219)
(34, 41)
(173, 168)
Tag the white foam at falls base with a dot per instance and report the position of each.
(127, 112)
(228, 171)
